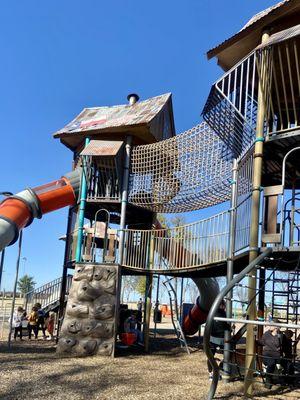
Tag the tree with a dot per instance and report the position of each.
(128, 285)
(242, 295)
(164, 222)
(26, 284)
(141, 285)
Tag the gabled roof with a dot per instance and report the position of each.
(280, 16)
(148, 121)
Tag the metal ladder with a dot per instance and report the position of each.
(174, 314)
(285, 297)
(280, 298)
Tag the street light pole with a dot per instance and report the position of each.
(15, 289)
(24, 259)
(6, 194)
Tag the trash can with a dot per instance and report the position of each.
(157, 316)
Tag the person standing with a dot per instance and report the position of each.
(33, 323)
(50, 324)
(271, 342)
(140, 304)
(41, 320)
(18, 318)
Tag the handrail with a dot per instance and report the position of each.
(181, 226)
(211, 315)
(51, 289)
(188, 246)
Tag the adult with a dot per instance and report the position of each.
(140, 304)
(217, 333)
(271, 342)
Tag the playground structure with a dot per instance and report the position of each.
(130, 165)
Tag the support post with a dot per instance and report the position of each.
(15, 289)
(124, 199)
(148, 291)
(83, 194)
(147, 312)
(231, 245)
(181, 300)
(1, 266)
(156, 302)
(254, 228)
(64, 275)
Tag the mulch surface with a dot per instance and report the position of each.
(32, 370)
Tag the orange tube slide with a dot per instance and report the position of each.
(55, 195)
(17, 212)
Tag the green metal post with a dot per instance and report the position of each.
(83, 194)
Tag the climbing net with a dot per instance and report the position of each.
(187, 172)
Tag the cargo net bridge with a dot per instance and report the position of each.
(190, 171)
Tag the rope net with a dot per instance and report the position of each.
(184, 173)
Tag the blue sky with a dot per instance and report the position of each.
(60, 56)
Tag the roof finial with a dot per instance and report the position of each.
(133, 98)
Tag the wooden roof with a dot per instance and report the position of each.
(278, 17)
(147, 121)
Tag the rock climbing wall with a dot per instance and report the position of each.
(89, 325)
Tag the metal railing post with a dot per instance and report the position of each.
(231, 245)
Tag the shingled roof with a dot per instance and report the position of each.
(147, 121)
(280, 16)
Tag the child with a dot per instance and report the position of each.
(130, 327)
(50, 324)
(41, 320)
(33, 323)
(18, 318)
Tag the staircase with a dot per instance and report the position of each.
(47, 295)
(174, 314)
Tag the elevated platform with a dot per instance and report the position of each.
(283, 259)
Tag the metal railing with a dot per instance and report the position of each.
(243, 221)
(231, 108)
(192, 245)
(47, 295)
(103, 180)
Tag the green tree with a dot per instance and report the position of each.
(163, 220)
(26, 284)
(141, 285)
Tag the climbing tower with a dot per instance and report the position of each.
(102, 140)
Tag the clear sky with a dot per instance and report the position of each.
(58, 57)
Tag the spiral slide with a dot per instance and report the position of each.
(208, 289)
(18, 211)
